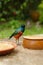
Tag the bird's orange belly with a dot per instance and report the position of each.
(18, 35)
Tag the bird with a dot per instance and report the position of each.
(18, 32)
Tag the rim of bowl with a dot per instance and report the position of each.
(33, 37)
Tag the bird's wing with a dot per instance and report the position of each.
(18, 30)
(15, 33)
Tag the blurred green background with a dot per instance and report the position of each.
(14, 13)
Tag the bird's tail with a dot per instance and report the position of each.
(10, 37)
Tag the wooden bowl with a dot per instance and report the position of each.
(33, 42)
(6, 47)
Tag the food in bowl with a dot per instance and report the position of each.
(6, 47)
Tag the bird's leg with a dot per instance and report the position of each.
(18, 41)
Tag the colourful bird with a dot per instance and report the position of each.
(18, 33)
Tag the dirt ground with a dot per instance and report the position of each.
(23, 56)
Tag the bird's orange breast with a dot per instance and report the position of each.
(18, 35)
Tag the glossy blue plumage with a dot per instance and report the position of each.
(20, 29)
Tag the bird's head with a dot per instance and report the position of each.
(23, 26)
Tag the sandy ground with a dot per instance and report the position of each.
(23, 56)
